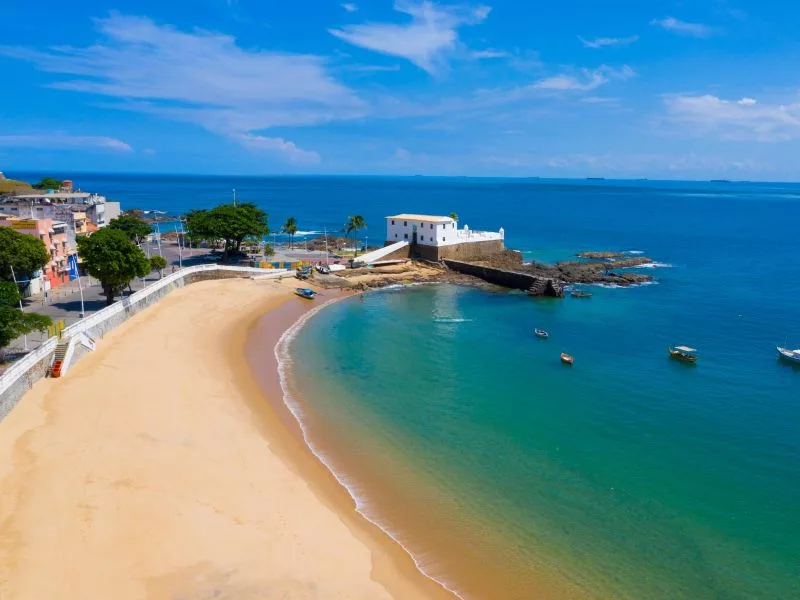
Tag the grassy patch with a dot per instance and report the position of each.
(9, 185)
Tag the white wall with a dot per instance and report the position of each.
(429, 233)
(435, 234)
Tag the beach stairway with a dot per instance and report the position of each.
(59, 357)
(65, 351)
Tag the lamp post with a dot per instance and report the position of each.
(14, 277)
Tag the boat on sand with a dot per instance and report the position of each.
(306, 293)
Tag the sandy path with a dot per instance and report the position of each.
(144, 473)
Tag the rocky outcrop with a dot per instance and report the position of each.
(603, 270)
(547, 287)
(600, 255)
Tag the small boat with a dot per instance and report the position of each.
(306, 293)
(792, 356)
(567, 358)
(541, 333)
(580, 294)
(683, 353)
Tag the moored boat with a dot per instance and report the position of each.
(541, 333)
(580, 294)
(792, 356)
(306, 293)
(683, 353)
(567, 359)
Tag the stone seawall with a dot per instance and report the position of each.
(21, 376)
(30, 375)
(510, 279)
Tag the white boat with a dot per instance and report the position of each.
(792, 356)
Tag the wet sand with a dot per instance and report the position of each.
(156, 469)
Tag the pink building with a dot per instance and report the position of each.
(54, 236)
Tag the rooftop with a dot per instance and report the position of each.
(426, 218)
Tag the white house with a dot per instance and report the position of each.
(434, 231)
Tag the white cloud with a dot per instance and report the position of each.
(585, 79)
(683, 27)
(600, 100)
(489, 53)
(426, 41)
(743, 119)
(603, 42)
(350, 7)
(288, 149)
(201, 77)
(64, 141)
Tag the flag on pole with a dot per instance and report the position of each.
(73, 267)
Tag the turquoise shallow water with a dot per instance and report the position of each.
(637, 476)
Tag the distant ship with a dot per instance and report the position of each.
(720, 181)
(595, 179)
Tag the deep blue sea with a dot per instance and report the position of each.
(626, 476)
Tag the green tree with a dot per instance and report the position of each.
(290, 227)
(13, 321)
(158, 263)
(230, 223)
(109, 256)
(26, 254)
(353, 225)
(454, 216)
(131, 225)
(48, 183)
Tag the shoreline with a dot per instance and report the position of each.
(283, 361)
(171, 482)
(456, 578)
(389, 554)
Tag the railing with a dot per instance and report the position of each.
(27, 362)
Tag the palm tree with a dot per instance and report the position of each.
(352, 226)
(290, 227)
(454, 216)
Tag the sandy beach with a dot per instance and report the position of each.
(157, 469)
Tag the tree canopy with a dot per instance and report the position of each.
(230, 223)
(109, 256)
(48, 183)
(25, 253)
(132, 226)
(290, 228)
(158, 263)
(353, 225)
(13, 321)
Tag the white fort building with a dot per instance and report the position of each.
(435, 238)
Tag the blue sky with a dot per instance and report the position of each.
(687, 89)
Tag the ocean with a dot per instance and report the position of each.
(508, 475)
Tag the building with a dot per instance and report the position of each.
(79, 210)
(434, 238)
(54, 235)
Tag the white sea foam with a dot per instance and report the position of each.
(284, 361)
(616, 286)
(653, 265)
(451, 320)
(634, 252)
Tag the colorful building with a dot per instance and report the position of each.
(55, 236)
